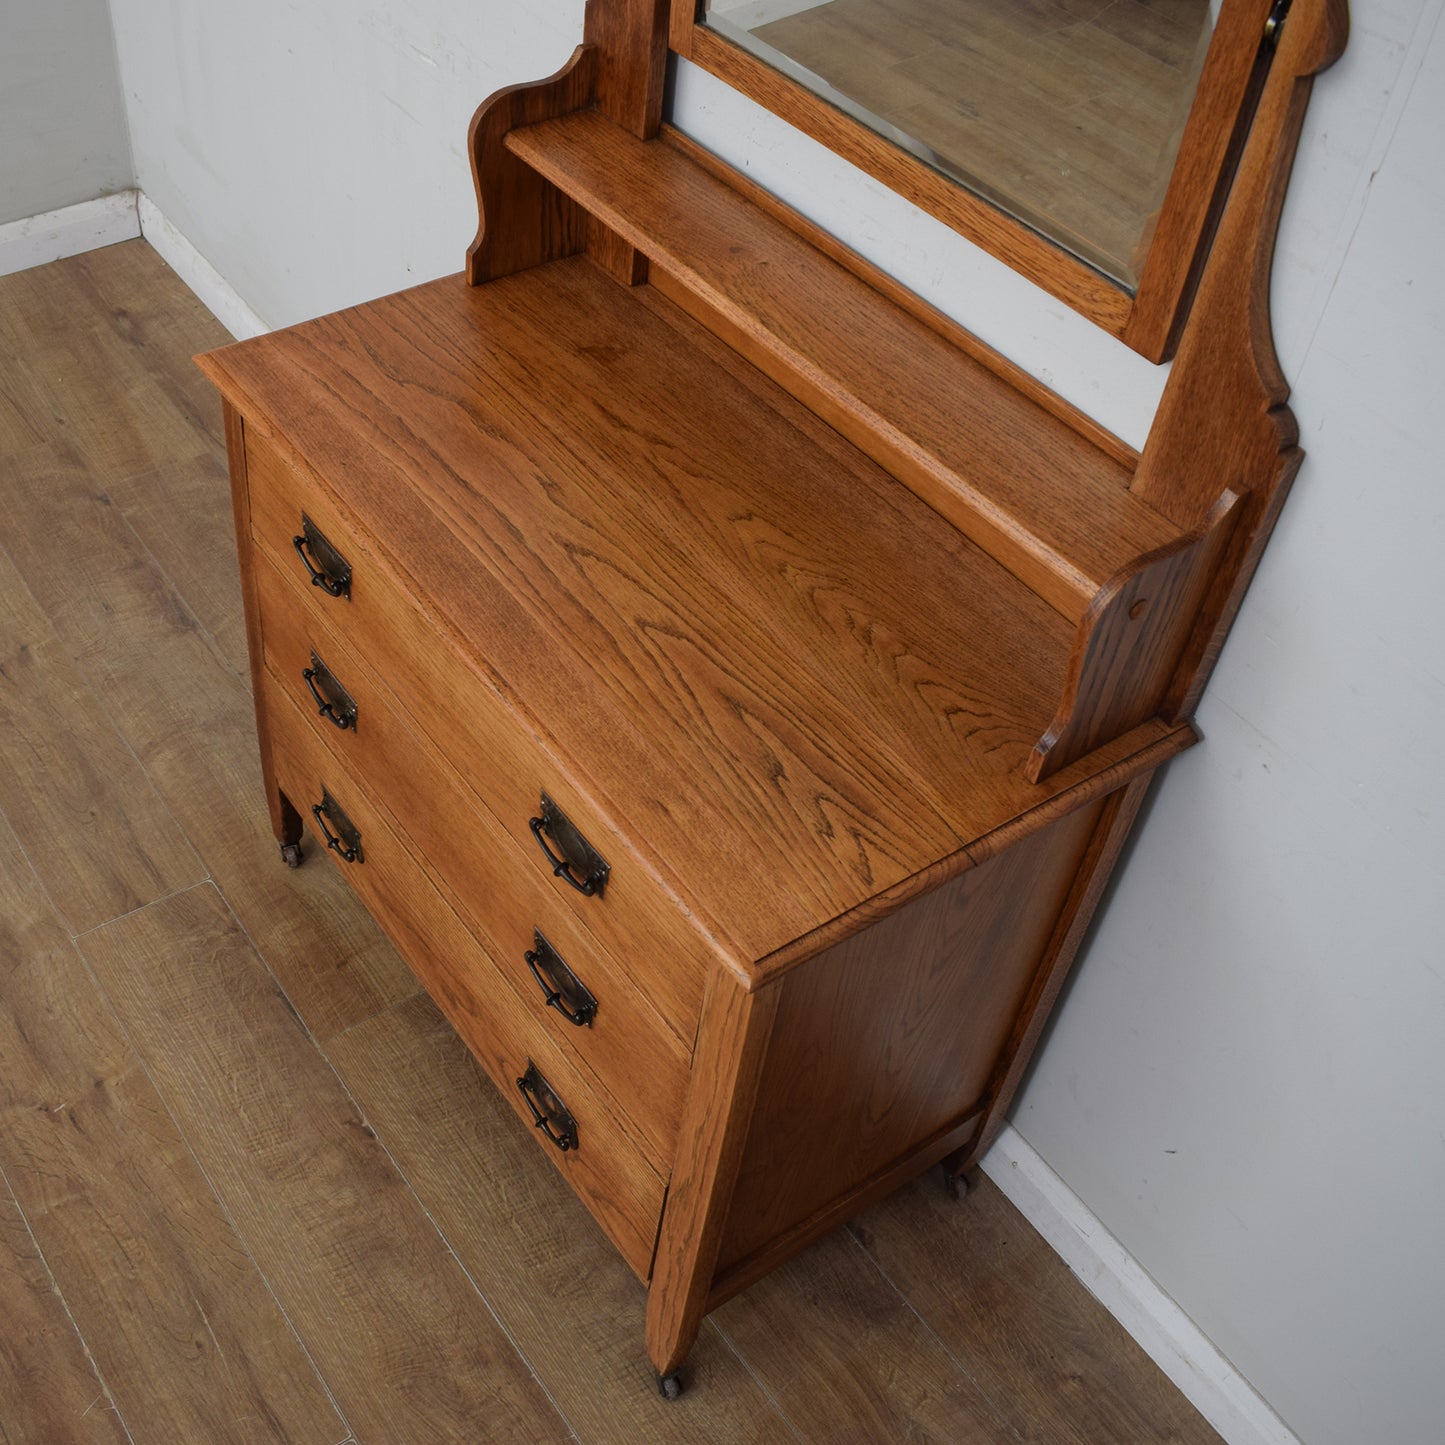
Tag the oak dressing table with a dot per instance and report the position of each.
(728, 682)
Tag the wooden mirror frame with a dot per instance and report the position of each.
(1151, 318)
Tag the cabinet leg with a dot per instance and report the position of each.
(289, 828)
(956, 1169)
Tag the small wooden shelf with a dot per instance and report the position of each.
(1015, 478)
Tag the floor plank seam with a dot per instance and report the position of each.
(221, 1204)
(191, 617)
(985, 1395)
(106, 1393)
(430, 1218)
(141, 907)
(395, 1164)
(713, 1323)
(35, 872)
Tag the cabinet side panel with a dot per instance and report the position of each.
(885, 1040)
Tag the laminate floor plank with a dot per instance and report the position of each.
(331, 1222)
(846, 1358)
(1056, 1365)
(48, 1389)
(184, 1330)
(190, 721)
(112, 372)
(93, 374)
(95, 828)
(558, 1286)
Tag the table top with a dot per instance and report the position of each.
(799, 686)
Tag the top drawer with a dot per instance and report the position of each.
(383, 616)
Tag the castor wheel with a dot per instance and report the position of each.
(957, 1186)
(669, 1386)
(291, 854)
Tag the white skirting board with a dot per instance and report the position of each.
(210, 287)
(54, 235)
(1114, 1277)
(1215, 1388)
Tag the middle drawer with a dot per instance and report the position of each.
(640, 1062)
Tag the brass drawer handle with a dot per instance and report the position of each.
(332, 700)
(562, 989)
(578, 863)
(347, 839)
(331, 572)
(549, 1113)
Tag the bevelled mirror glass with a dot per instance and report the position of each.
(1088, 144)
(1066, 114)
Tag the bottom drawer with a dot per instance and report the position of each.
(603, 1166)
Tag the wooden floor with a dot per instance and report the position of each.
(253, 1187)
(1068, 113)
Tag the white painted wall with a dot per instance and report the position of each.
(62, 127)
(1247, 1081)
(314, 151)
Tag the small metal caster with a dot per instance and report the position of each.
(957, 1186)
(669, 1386)
(291, 854)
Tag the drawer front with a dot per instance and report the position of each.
(498, 754)
(606, 1169)
(637, 1057)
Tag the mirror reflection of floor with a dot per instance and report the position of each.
(1066, 112)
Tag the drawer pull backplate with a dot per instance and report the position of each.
(347, 839)
(332, 700)
(549, 1113)
(563, 990)
(577, 862)
(330, 571)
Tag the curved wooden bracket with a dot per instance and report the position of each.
(523, 220)
(1223, 423)
(1129, 643)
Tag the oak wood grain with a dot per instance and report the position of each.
(889, 1037)
(1223, 110)
(319, 1203)
(1016, 479)
(97, 832)
(611, 1167)
(285, 821)
(732, 1044)
(1130, 642)
(558, 1287)
(523, 220)
(849, 780)
(457, 702)
(1223, 421)
(640, 1060)
(1113, 820)
(48, 1388)
(880, 281)
(631, 41)
(182, 1326)
(121, 620)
